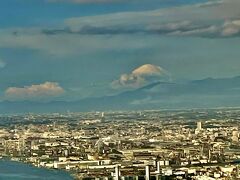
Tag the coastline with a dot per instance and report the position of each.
(14, 169)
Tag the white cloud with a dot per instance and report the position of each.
(34, 92)
(231, 28)
(141, 76)
(210, 31)
(128, 81)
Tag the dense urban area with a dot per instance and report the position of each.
(176, 144)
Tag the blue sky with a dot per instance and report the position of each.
(46, 13)
(72, 49)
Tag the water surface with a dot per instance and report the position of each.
(10, 170)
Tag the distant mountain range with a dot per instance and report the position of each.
(204, 93)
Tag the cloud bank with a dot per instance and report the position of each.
(215, 19)
(34, 92)
(211, 19)
(141, 76)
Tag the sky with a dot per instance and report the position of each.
(74, 49)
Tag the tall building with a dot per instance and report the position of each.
(117, 174)
(102, 115)
(235, 136)
(199, 125)
(147, 171)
